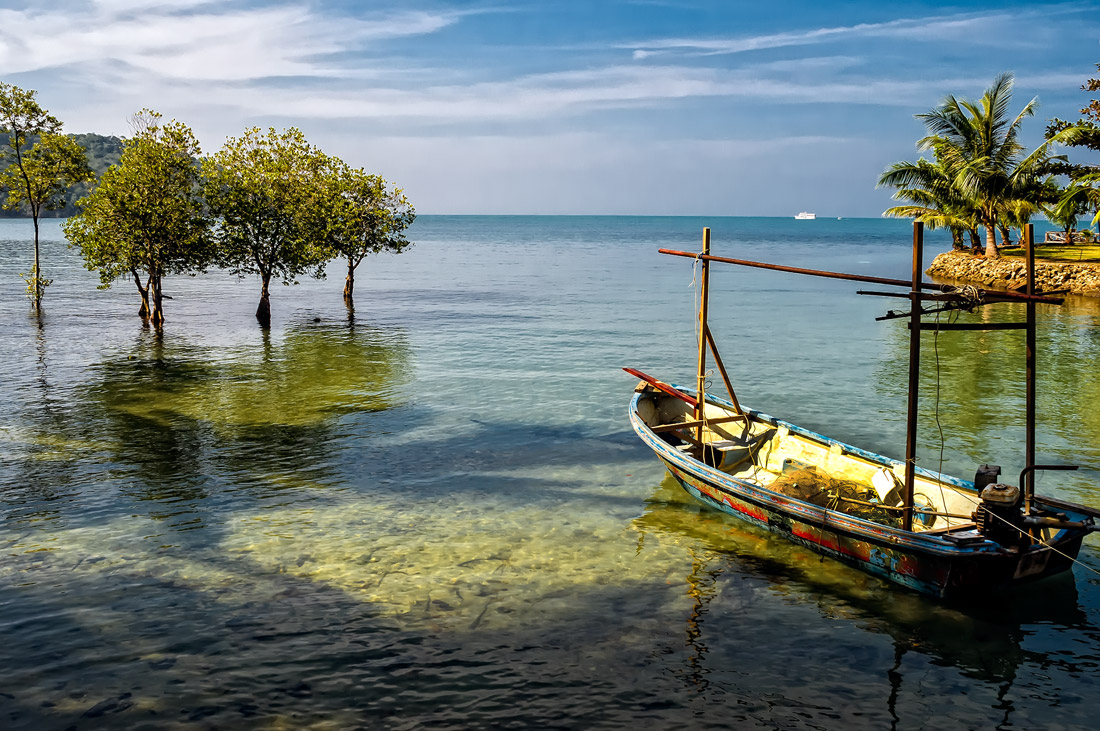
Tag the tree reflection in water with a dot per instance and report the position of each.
(972, 385)
(181, 425)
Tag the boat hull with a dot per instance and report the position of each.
(930, 564)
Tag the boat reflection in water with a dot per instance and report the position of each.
(752, 592)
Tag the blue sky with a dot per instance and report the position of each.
(629, 107)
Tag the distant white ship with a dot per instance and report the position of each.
(805, 216)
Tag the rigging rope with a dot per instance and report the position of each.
(974, 296)
(1023, 532)
(939, 424)
(697, 295)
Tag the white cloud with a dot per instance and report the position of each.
(207, 43)
(286, 61)
(541, 96)
(548, 98)
(123, 6)
(971, 27)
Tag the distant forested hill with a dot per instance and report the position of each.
(102, 151)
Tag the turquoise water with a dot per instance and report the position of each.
(431, 511)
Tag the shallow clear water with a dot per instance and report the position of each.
(432, 512)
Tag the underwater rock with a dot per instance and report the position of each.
(110, 705)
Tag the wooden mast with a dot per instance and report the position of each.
(1029, 370)
(702, 371)
(914, 375)
(722, 369)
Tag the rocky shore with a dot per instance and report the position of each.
(1009, 273)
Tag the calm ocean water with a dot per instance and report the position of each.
(432, 511)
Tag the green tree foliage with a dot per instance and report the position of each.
(365, 217)
(268, 193)
(1084, 188)
(1073, 203)
(977, 146)
(146, 217)
(49, 169)
(1088, 131)
(932, 199)
(102, 152)
(38, 171)
(1078, 198)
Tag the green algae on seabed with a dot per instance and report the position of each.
(49, 446)
(446, 564)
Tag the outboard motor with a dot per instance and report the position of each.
(986, 474)
(999, 517)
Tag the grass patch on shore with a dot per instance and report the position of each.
(1089, 254)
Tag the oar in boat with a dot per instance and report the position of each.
(690, 401)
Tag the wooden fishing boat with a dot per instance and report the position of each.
(940, 535)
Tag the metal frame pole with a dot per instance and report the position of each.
(914, 375)
(1030, 371)
(703, 297)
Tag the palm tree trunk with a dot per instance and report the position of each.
(975, 241)
(991, 242)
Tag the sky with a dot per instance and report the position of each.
(629, 107)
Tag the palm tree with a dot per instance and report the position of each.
(979, 148)
(933, 199)
(1081, 196)
(1072, 203)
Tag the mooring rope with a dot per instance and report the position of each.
(973, 295)
(939, 424)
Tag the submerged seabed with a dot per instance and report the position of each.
(431, 511)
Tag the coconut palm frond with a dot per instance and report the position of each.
(982, 174)
(930, 217)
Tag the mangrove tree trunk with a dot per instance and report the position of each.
(36, 273)
(143, 311)
(263, 312)
(156, 301)
(349, 282)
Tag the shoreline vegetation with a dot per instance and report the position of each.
(982, 177)
(267, 203)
